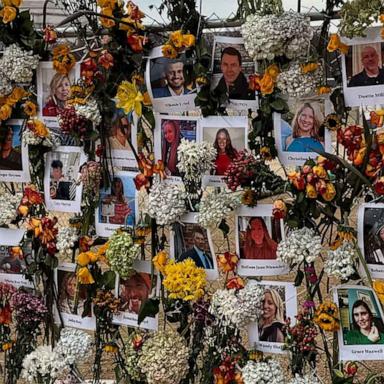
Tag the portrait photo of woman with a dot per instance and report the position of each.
(171, 137)
(373, 235)
(70, 301)
(306, 135)
(10, 154)
(115, 206)
(225, 151)
(258, 243)
(120, 132)
(272, 321)
(59, 91)
(365, 329)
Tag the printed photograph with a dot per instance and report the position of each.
(10, 147)
(231, 68)
(361, 318)
(11, 259)
(172, 131)
(373, 235)
(258, 237)
(120, 132)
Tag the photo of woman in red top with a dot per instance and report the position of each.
(258, 243)
(171, 137)
(59, 93)
(225, 151)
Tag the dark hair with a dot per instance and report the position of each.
(198, 230)
(113, 186)
(57, 164)
(360, 303)
(232, 52)
(229, 149)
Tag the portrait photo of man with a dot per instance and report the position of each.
(233, 81)
(173, 80)
(59, 188)
(199, 251)
(368, 58)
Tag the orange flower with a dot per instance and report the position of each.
(50, 35)
(227, 262)
(309, 67)
(32, 196)
(12, 3)
(311, 191)
(16, 95)
(38, 128)
(5, 315)
(176, 39)
(146, 99)
(254, 82)
(324, 90)
(134, 12)
(378, 287)
(319, 171)
(159, 169)
(63, 59)
(106, 22)
(5, 112)
(343, 48)
(235, 283)
(169, 51)
(333, 43)
(136, 42)
(189, 40)
(8, 14)
(106, 3)
(105, 59)
(359, 156)
(279, 209)
(330, 192)
(160, 260)
(23, 210)
(84, 276)
(273, 71)
(35, 225)
(85, 243)
(266, 84)
(30, 108)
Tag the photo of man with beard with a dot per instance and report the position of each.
(134, 291)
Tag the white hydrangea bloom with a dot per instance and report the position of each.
(301, 244)
(90, 111)
(340, 262)
(18, 65)
(269, 36)
(195, 159)
(263, 372)
(8, 206)
(215, 206)
(238, 308)
(74, 345)
(166, 202)
(307, 379)
(295, 83)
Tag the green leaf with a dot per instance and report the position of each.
(149, 308)
(108, 280)
(279, 105)
(299, 278)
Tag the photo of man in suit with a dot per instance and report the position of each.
(233, 82)
(174, 77)
(197, 252)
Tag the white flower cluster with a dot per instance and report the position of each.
(43, 363)
(269, 36)
(90, 111)
(301, 244)
(5, 85)
(166, 202)
(18, 65)
(295, 83)
(8, 206)
(66, 238)
(164, 358)
(307, 379)
(195, 159)
(29, 138)
(263, 372)
(74, 345)
(132, 354)
(340, 262)
(240, 307)
(121, 253)
(215, 206)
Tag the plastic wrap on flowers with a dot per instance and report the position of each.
(270, 36)
(121, 253)
(263, 372)
(164, 358)
(295, 82)
(215, 206)
(166, 202)
(300, 245)
(238, 307)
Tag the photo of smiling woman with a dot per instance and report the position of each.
(225, 151)
(272, 321)
(59, 88)
(306, 135)
(171, 137)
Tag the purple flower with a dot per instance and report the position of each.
(308, 304)
(28, 308)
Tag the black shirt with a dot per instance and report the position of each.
(362, 79)
(238, 91)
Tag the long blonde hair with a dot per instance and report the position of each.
(317, 121)
(279, 304)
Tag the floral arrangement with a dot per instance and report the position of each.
(341, 261)
(300, 245)
(66, 239)
(164, 358)
(215, 206)
(121, 253)
(166, 202)
(263, 372)
(177, 43)
(183, 280)
(270, 36)
(306, 379)
(8, 206)
(134, 346)
(327, 316)
(297, 81)
(238, 307)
